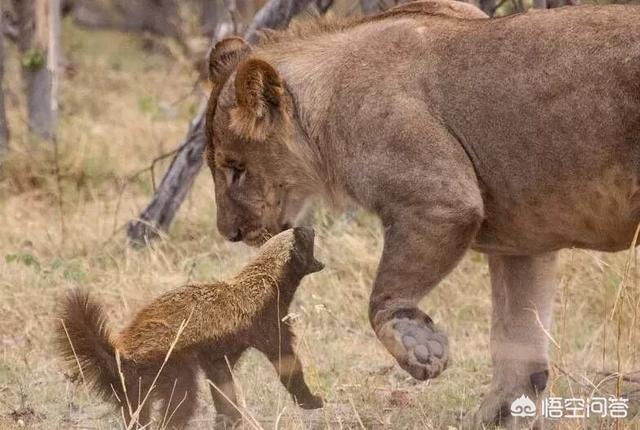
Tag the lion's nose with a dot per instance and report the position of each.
(237, 237)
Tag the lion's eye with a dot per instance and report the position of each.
(236, 174)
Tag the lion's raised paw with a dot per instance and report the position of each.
(417, 345)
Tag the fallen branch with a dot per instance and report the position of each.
(178, 179)
(174, 186)
(275, 14)
(323, 5)
(370, 6)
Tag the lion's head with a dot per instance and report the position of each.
(264, 166)
(249, 124)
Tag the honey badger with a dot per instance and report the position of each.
(219, 322)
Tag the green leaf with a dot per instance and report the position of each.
(74, 274)
(146, 104)
(26, 259)
(33, 59)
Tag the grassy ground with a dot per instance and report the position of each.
(121, 107)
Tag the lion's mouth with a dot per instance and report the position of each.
(257, 237)
(285, 226)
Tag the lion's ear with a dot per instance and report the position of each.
(225, 57)
(259, 98)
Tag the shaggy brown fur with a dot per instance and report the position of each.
(219, 322)
(516, 137)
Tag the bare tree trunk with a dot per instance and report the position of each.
(178, 179)
(275, 14)
(4, 125)
(54, 57)
(369, 6)
(159, 17)
(210, 16)
(39, 45)
(487, 6)
(324, 5)
(374, 6)
(246, 8)
(559, 3)
(175, 184)
(9, 25)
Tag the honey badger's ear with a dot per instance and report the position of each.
(225, 57)
(259, 98)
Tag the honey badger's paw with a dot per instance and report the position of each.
(224, 422)
(416, 344)
(310, 402)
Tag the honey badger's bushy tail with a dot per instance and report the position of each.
(84, 340)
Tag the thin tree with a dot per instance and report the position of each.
(4, 125)
(159, 17)
(39, 45)
(210, 15)
(370, 6)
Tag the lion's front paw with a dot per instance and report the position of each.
(496, 409)
(416, 344)
(493, 411)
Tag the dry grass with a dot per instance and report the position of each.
(123, 106)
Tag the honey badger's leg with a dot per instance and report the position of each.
(178, 394)
(425, 237)
(144, 415)
(522, 290)
(137, 387)
(285, 360)
(224, 393)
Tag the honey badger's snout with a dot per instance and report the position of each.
(304, 246)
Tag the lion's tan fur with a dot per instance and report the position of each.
(517, 137)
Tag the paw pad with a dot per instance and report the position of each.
(419, 348)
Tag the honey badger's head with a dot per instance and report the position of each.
(294, 248)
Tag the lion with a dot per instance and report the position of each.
(516, 137)
(206, 326)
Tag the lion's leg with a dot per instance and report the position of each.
(423, 243)
(522, 290)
